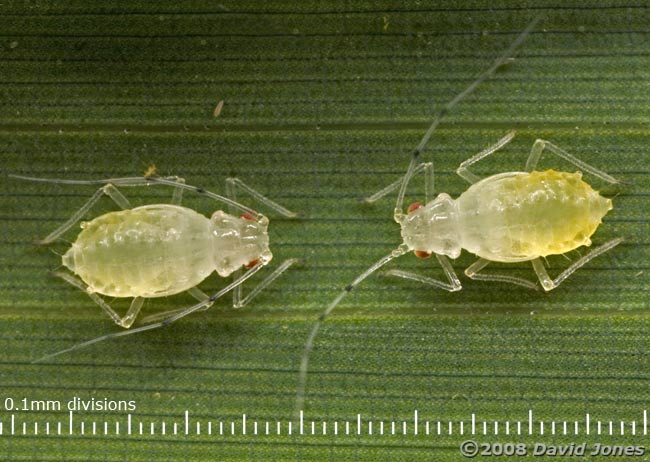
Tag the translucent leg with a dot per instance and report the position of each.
(109, 190)
(473, 270)
(177, 196)
(462, 169)
(198, 294)
(202, 296)
(453, 285)
(236, 182)
(550, 284)
(237, 300)
(126, 321)
(240, 303)
(231, 192)
(147, 181)
(427, 168)
(194, 292)
(175, 317)
(540, 145)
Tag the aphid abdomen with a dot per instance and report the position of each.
(521, 216)
(149, 251)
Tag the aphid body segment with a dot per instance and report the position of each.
(509, 217)
(160, 250)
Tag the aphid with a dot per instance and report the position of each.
(158, 250)
(508, 217)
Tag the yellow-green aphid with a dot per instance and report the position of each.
(163, 249)
(509, 217)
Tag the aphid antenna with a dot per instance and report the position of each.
(146, 180)
(304, 362)
(506, 56)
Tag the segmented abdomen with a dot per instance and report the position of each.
(520, 216)
(149, 251)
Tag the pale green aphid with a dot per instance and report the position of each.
(163, 249)
(508, 217)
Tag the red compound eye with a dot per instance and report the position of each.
(422, 254)
(252, 263)
(247, 216)
(414, 206)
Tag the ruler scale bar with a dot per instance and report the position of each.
(418, 425)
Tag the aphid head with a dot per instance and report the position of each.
(432, 228)
(239, 241)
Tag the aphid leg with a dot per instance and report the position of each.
(108, 190)
(462, 169)
(198, 307)
(426, 167)
(429, 189)
(134, 310)
(236, 182)
(126, 321)
(540, 145)
(473, 270)
(453, 285)
(231, 193)
(239, 302)
(542, 275)
(202, 296)
(237, 291)
(177, 196)
(549, 284)
(198, 294)
(413, 168)
(194, 292)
